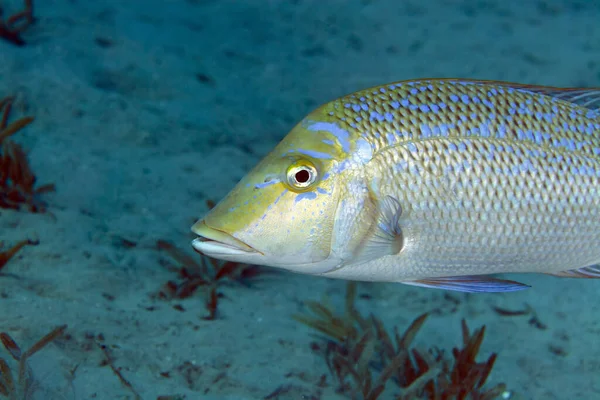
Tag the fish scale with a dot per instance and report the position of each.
(504, 175)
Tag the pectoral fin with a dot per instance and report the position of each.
(386, 237)
(470, 284)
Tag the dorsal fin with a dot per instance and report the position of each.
(588, 98)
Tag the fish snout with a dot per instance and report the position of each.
(219, 244)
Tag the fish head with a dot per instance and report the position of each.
(282, 214)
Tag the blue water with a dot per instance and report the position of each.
(144, 110)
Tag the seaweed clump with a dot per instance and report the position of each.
(363, 357)
(21, 385)
(206, 272)
(17, 181)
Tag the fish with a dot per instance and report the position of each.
(439, 183)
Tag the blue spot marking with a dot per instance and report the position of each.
(340, 134)
(488, 103)
(391, 139)
(426, 131)
(424, 108)
(444, 130)
(414, 91)
(267, 183)
(590, 129)
(376, 116)
(520, 134)
(314, 154)
(527, 166)
(402, 165)
(395, 105)
(355, 107)
(568, 143)
(364, 106)
(306, 195)
(388, 116)
(434, 108)
(405, 102)
(454, 98)
(484, 130)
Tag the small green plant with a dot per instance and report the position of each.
(363, 357)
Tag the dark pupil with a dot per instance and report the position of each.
(302, 176)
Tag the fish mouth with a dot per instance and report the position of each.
(216, 243)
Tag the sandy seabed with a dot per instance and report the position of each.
(146, 109)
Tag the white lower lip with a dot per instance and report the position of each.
(214, 248)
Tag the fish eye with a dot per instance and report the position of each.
(301, 175)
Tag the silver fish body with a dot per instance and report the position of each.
(439, 179)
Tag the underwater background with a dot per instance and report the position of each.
(146, 112)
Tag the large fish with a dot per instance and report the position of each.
(433, 183)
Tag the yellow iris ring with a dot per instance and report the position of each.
(301, 185)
